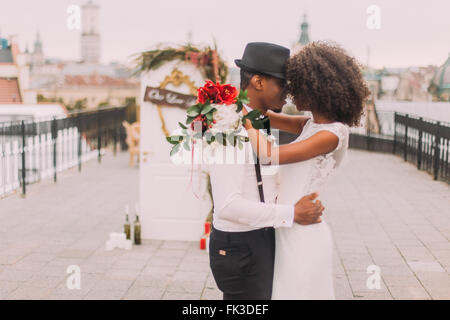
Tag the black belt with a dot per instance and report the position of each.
(239, 235)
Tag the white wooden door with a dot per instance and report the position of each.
(172, 208)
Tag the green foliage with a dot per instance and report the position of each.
(207, 112)
(256, 118)
(153, 59)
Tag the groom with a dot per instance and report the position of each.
(242, 240)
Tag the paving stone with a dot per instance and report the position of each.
(425, 266)
(101, 294)
(211, 294)
(144, 293)
(113, 285)
(9, 259)
(190, 276)
(401, 281)
(159, 270)
(44, 281)
(181, 296)
(409, 293)
(26, 292)
(164, 261)
(6, 287)
(381, 211)
(186, 286)
(156, 281)
(122, 274)
(372, 296)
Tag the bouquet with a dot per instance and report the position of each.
(216, 118)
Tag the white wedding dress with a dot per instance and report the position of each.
(304, 253)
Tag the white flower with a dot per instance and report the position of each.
(227, 119)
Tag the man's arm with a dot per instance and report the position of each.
(228, 183)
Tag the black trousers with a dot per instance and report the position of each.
(242, 263)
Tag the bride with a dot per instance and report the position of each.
(323, 79)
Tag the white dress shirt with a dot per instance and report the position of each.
(237, 206)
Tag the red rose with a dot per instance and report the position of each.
(202, 96)
(216, 93)
(209, 92)
(228, 94)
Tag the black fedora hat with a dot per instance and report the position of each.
(265, 58)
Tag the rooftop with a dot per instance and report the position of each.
(9, 91)
(382, 211)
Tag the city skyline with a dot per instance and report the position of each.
(408, 35)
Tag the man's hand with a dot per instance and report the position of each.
(307, 211)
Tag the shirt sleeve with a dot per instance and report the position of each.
(228, 182)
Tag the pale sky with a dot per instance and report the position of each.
(414, 32)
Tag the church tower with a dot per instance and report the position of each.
(304, 36)
(90, 35)
(37, 57)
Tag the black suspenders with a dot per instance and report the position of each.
(258, 168)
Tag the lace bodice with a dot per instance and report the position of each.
(299, 179)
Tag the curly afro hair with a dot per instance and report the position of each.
(323, 78)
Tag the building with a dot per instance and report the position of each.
(84, 84)
(440, 84)
(14, 75)
(399, 84)
(90, 34)
(91, 90)
(304, 36)
(37, 56)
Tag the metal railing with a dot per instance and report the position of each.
(420, 141)
(33, 150)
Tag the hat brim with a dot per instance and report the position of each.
(239, 63)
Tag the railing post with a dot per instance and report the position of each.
(99, 136)
(23, 160)
(54, 137)
(116, 122)
(419, 145)
(395, 133)
(437, 151)
(368, 133)
(80, 132)
(405, 143)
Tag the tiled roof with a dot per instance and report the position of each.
(9, 91)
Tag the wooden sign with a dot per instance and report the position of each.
(160, 96)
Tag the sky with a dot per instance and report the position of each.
(411, 33)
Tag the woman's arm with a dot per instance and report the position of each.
(322, 142)
(285, 122)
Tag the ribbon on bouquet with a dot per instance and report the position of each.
(192, 171)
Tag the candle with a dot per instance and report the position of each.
(207, 227)
(203, 243)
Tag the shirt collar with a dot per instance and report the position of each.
(248, 108)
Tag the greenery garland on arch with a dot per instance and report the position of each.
(206, 59)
